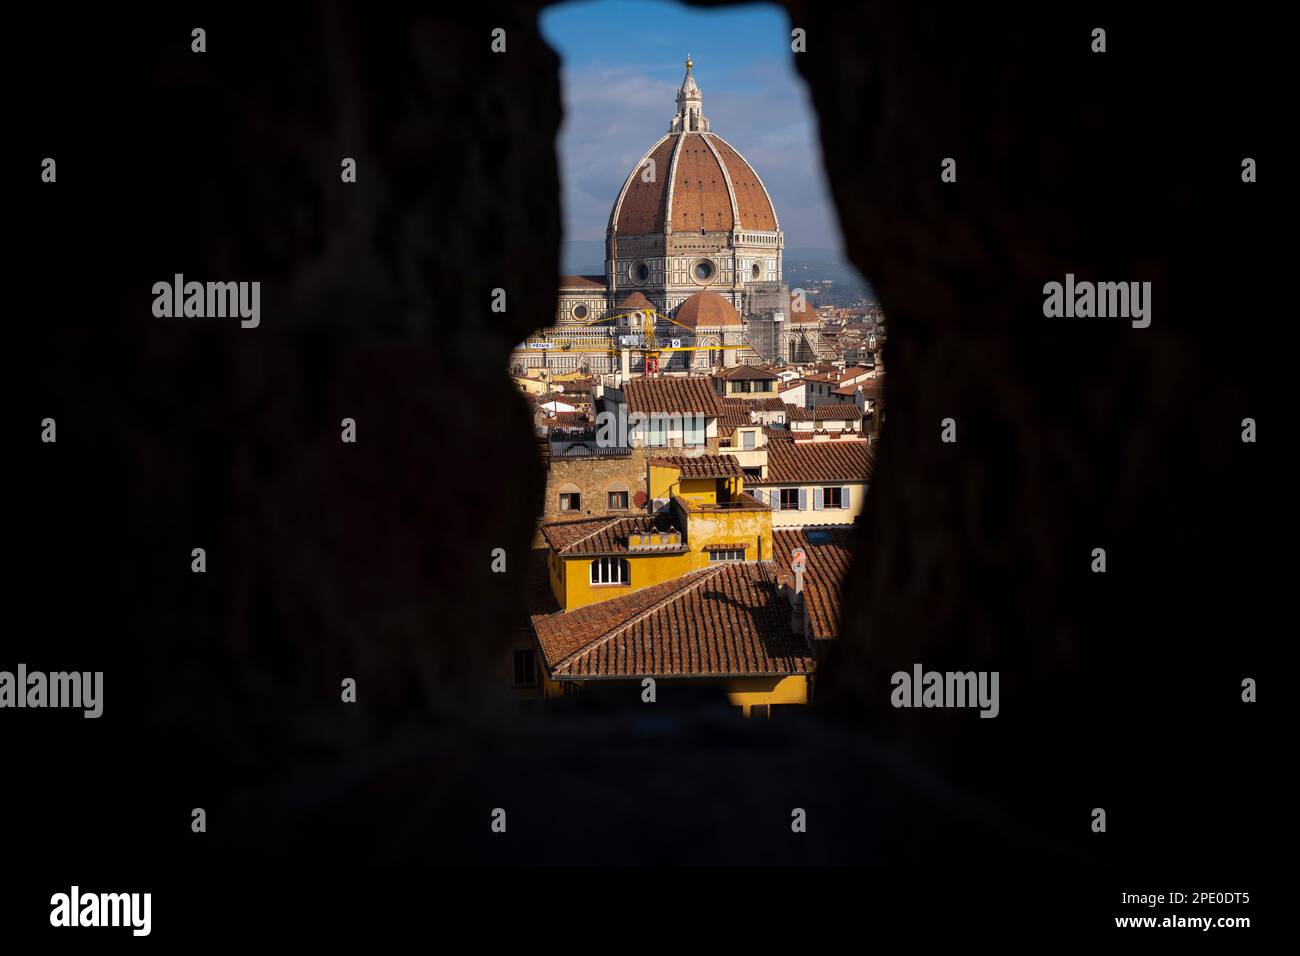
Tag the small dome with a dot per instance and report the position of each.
(808, 314)
(707, 310)
(636, 302)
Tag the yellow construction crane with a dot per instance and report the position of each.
(651, 350)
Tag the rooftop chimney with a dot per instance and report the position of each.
(798, 563)
(799, 612)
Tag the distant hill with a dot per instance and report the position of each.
(582, 257)
(803, 264)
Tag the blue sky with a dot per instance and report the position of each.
(622, 65)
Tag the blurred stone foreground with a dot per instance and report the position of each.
(591, 782)
(372, 560)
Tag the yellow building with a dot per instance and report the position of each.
(531, 386)
(728, 625)
(685, 593)
(703, 516)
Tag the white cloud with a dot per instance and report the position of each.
(613, 114)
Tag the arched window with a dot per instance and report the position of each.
(610, 571)
(570, 497)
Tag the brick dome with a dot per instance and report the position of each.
(636, 301)
(707, 310)
(692, 216)
(711, 184)
(692, 179)
(807, 316)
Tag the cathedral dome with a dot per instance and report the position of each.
(692, 180)
(707, 310)
(700, 182)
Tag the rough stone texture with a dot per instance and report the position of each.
(372, 560)
(592, 476)
(1072, 435)
(325, 560)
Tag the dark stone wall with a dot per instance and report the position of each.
(1118, 690)
(325, 560)
(372, 560)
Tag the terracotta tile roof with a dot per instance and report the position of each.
(600, 535)
(564, 398)
(672, 395)
(835, 412)
(707, 310)
(738, 372)
(775, 433)
(718, 621)
(643, 205)
(700, 198)
(576, 384)
(735, 411)
(772, 404)
(807, 314)
(636, 302)
(751, 198)
(702, 466)
(582, 282)
(827, 570)
(817, 461)
(797, 413)
(735, 414)
(569, 419)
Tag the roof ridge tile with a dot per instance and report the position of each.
(705, 574)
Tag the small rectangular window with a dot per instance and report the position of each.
(610, 571)
(525, 668)
(732, 554)
(693, 426)
(833, 497)
(617, 501)
(748, 441)
(789, 499)
(570, 501)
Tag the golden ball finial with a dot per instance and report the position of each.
(689, 62)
